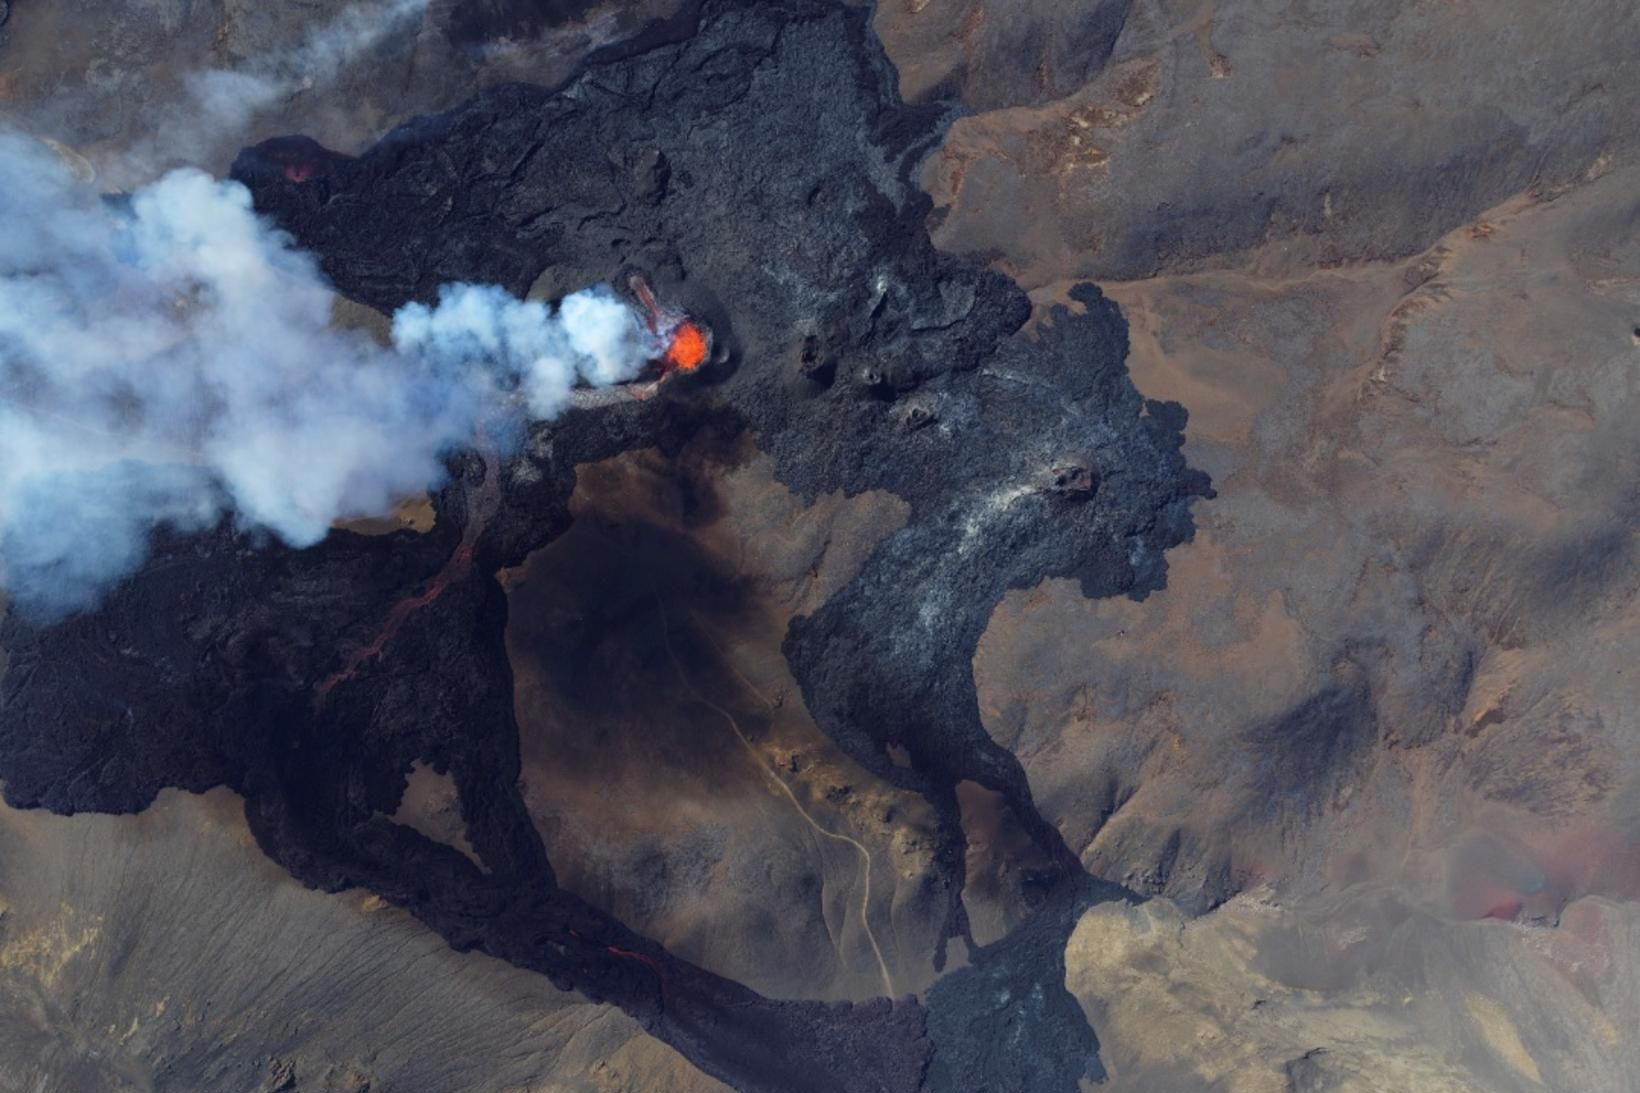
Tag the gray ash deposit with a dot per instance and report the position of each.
(755, 162)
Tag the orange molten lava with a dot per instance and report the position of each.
(687, 350)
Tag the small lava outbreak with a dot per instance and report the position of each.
(296, 160)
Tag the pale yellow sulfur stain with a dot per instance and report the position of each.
(44, 952)
(1501, 1035)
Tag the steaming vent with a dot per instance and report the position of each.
(680, 341)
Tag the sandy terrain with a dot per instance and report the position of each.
(164, 951)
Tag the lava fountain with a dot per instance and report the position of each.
(681, 343)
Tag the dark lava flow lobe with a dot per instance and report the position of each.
(755, 162)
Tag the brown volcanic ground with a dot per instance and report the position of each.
(671, 768)
(1370, 748)
(1426, 487)
(1387, 691)
(164, 951)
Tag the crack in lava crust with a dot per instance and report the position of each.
(481, 508)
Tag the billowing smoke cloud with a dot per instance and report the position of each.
(594, 338)
(170, 358)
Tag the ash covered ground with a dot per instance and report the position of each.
(893, 704)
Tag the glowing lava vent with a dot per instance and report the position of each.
(295, 159)
(681, 344)
(687, 349)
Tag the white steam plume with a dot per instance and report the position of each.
(172, 360)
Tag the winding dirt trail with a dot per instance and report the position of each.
(780, 783)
